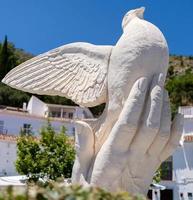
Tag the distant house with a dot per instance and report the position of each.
(31, 118)
(178, 169)
(177, 177)
(7, 155)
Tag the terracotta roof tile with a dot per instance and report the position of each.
(5, 137)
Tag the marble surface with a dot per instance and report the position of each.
(122, 149)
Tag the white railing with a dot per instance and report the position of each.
(186, 110)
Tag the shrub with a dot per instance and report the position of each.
(51, 156)
(57, 191)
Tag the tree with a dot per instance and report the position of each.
(180, 88)
(12, 97)
(8, 59)
(11, 57)
(51, 156)
(4, 58)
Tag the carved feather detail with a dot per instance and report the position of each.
(77, 71)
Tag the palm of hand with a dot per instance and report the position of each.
(139, 141)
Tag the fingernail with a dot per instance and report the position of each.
(142, 85)
(158, 79)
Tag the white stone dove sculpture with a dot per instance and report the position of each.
(90, 74)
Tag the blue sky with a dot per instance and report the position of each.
(40, 25)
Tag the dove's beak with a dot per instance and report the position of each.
(140, 12)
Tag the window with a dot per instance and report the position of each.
(190, 196)
(64, 114)
(166, 169)
(73, 130)
(70, 115)
(2, 130)
(166, 194)
(181, 196)
(54, 114)
(27, 128)
(3, 172)
(1, 127)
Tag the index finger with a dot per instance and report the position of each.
(126, 126)
(112, 156)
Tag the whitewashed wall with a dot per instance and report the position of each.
(13, 123)
(188, 125)
(182, 182)
(7, 158)
(36, 107)
(183, 170)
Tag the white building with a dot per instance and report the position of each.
(31, 118)
(178, 169)
(7, 155)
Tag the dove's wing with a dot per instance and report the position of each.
(77, 71)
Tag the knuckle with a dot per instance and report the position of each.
(137, 101)
(123, 128)
(156, 96)
(164, 134)
(130, 126)
(153, 126)
(156, 91)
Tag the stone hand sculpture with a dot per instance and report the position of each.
(123, 148)
(139, 141)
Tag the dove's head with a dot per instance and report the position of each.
(131, 15)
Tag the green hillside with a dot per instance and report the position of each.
(179, 80)
(10, 56)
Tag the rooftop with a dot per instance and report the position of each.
(21, 112)
(60, 106)
(5, 137)
(41, 110)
